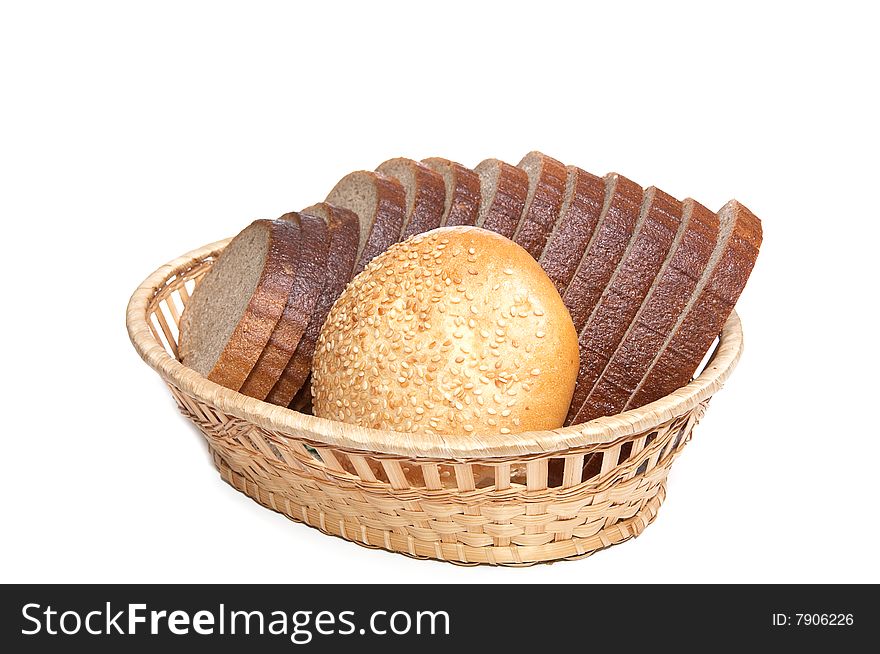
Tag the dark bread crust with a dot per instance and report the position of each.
(675, 365)
(616, 224)
(621, 301)
(264, 309)
(429, 196)
(542, 211)
(462, 195)
(566, 245)
(387, 222)
(307, 285)
(657, 317)
(507, 204)
(342, 234)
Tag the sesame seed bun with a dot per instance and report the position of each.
(455, 331)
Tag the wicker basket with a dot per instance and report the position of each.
(507, 500)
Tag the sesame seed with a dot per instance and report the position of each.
(536, 371)
(540, 334)
(505, 430)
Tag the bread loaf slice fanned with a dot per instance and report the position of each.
(581, 207)
(425, 193)
(380, 204)
(503, 189)
(462, 205)
(309, 281)
(235, 307)
(671, 292)
(709, 307)
(342, 237)
(547, 185)
(658, 226)
(620, 213)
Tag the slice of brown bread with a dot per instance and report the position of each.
(547, 184)
(307, 287)
(667, 298)
(462, 206)
(620, 212)
(503, 190)
(578, 217)
(709, 307)
(656, 230)
(342, 234)
(425, 194)
(236, 305)
(380, 204)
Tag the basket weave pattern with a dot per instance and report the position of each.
(536, 497)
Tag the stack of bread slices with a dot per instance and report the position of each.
(648, 280)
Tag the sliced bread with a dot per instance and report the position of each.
(425, 194)
(581, 207)
(547, 185)
(658, 226)
(709, 307)
(380, 204)
(668, 297)
(307, 286)
(620, 213)
(503, 189)
(236, 305)
(342, 244)
(462, 205)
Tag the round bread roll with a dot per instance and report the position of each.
(456, 331)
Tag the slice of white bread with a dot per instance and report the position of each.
(311, 267)
(236, 305)
(657, 231)
(672, 290)
(547, 186)
(708, 308)
(603, 253)
(462, 205)
(503, 189)
(342, 243)
(573, 231)
(380, 204)
(425, 194)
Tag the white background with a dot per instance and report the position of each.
(130, 135)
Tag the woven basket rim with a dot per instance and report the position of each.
(287, 422)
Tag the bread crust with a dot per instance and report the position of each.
(577, 222)
(310, 270)
(428, 195)
(342, 233)
(462, 194)
(657, 317)
(676, 363)
(263, 311)
(620, 213)
(627, 290)
(506, 206)
(542, 210)
(387, 222)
